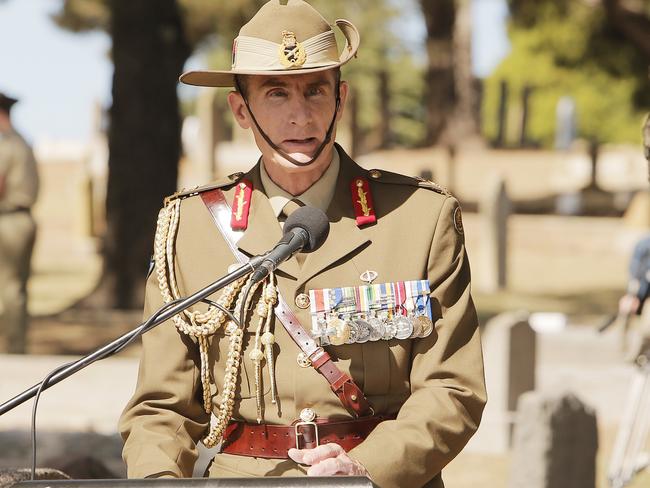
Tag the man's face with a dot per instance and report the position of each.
(295, 111)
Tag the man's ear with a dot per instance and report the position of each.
(343, 92)
(239, 110)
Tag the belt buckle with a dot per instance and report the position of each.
(307, 417)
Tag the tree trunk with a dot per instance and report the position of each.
(385, 134)
(634, 26)
(464, 123)
(440, 95)
(149, 50)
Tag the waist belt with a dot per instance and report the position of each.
(274, 441)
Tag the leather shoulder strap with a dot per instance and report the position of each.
(341, 383)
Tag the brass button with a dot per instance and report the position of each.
(302, 301)
(375, 173)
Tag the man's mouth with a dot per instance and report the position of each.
(297, 145)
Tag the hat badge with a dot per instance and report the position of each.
(292, 53)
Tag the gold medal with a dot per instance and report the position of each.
(426, 326)
(341, 331)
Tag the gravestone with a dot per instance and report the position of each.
(495, 208)
(509, 352)
(555, 442)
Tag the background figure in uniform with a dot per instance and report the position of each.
(372, 365)
(638, 288)
(18, 191)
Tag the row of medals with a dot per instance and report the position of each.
(337, 329)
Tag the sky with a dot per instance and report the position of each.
(60, 76)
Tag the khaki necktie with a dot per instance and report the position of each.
(290, 207)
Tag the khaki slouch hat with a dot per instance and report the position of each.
(283, 37)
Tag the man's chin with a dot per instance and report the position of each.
(300, 157)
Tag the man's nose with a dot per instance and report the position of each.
(301, 113)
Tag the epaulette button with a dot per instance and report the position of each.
(375, 174)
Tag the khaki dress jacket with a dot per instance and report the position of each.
(435, 385)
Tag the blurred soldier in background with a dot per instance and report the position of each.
(638, 287)
(18, 190)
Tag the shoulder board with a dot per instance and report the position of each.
(382, 176)
(223, 182)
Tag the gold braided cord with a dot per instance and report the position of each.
(204, 324)
(224, 412)
(193, 323)
(268, 339)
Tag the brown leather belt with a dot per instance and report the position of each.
(274, 441)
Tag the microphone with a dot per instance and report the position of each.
(305, 230)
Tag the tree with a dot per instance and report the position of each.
(148, 51)
(440, 94)
(577, 48)
(151, 42)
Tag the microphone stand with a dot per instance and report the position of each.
(121, 342)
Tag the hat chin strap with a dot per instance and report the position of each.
(328, 135)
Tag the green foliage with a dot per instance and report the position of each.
(567, 48)
(83, 15)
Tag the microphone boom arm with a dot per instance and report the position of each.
(118, 344)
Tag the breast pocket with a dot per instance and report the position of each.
(379, 368)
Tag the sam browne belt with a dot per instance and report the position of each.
(343, 386)
(274, 441)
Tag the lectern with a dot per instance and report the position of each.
(268, 482)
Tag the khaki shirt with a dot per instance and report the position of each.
(18, 174)
(434, 385)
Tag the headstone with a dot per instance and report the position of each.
(509, 352)
(495, 208)
(555, 442)
(565, 123)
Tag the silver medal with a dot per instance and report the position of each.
(390, 329)
(377, 328)
(404, 327)
(354, 331)
(363, 328)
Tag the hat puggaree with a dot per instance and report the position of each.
(284, 37)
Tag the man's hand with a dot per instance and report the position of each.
(328, 460)
(628, 304)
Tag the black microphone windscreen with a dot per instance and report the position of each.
(314, 221)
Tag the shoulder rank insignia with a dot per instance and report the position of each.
(241, 205)
(364, 208)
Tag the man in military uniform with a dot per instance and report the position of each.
(18, 190)
(372, 362)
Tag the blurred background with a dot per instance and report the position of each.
(529, 111)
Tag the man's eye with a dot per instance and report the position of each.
(314, 91)
(277, 93)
